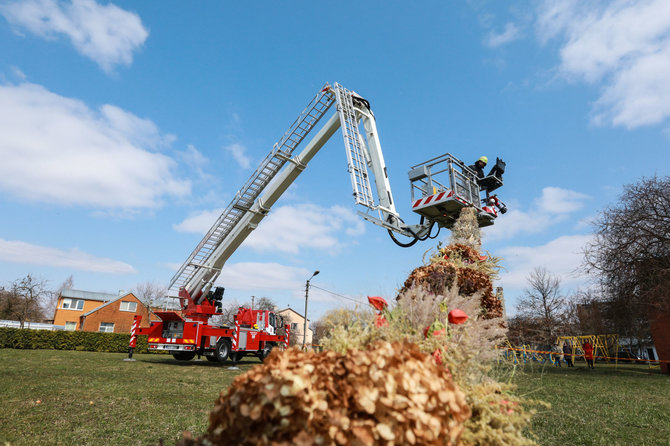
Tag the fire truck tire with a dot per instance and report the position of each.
(183, 356)
(222, 349)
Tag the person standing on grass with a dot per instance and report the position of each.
(556, 350)
(567, 354)
(588, 353)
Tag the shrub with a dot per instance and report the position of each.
(68, 340)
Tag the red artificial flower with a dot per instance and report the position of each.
(378, 302)
(380, 321)
(457, 316)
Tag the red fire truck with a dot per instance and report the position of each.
(440, 188)
(187, 333)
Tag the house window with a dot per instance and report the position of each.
(72, 304)
(106, 327)
(128, 306)
(294, 326)
(70, 326)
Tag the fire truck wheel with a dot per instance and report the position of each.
(222, 349)
(183, 356)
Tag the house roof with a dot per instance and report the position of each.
(88, 295)
(107, 303)
(290, 309)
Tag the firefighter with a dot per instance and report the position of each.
(478, 166)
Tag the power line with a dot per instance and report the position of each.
(337, 294)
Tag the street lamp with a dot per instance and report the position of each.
(304, 327)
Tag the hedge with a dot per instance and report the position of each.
(69, 340)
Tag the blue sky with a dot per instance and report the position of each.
(126, 126)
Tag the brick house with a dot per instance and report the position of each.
(297, 322)
(104, 312)
(660, 330)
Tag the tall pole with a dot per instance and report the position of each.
(304, 327)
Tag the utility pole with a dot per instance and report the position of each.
(304, 327)
(252, 302)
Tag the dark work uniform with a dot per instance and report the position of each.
(478, 170)
(567, 355)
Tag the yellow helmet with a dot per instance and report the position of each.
(483, 159)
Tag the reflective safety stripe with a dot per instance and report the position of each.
(441, 196)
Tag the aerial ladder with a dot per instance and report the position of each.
(440, 187)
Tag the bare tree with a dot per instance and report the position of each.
(630, 253)
(8, 304)
(523, 330)
(228, 311)
(151, 294)
(262, 303)
(26, 297)
(584, 313)
(52, 299)
(630, 256)
(543, 302)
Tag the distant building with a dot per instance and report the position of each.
(297, 322)
(103, 312)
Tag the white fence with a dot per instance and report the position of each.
(31, 325)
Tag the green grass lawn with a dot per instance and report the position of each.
(608, 405)
(97, 398)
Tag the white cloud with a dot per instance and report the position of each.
(306, 226)
(57, 150)
(510, 34)
(22, 252)
(516, 222)
(193, 157)
(561, 256)
(16, 71)
(625, 45)
(196, 162)
(553, 206)
(256, 276)
(198, 223)
(555, 200)
(291, 228)
(237, 151)
(106, 34)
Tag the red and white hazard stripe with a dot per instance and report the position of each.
(434, 198)
(288, 335)
(236, 338)
(133, 330)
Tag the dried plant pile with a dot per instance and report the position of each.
(457, 277)
(463, 266)
(418, 373)
(391, 393)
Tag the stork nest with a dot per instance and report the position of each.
(391, 393)
(464, 266)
